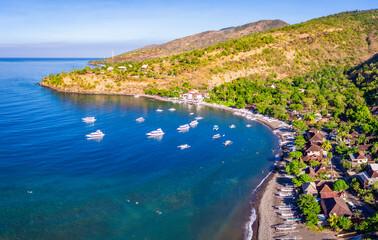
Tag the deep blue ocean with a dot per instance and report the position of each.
(56, 184)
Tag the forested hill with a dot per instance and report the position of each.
(348, 38)
(196, 41)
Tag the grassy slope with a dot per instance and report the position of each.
(196, 41)
(345, 38)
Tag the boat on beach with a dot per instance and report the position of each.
(216, 136)
(285, 227)
(89, 119)
(289, 238)
(183, 146)
(226, 143)
(183, 127)
(97, 134)
(215, 128)
(139, 120)
(156, 133)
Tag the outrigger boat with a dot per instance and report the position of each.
(226, 143)
(292, 219)
(97, 134)
(282, 208)
(216, 136)
(156, 133)
(284, 194)
(183, 128)
(183, 146)
(215, 128)
(139, 120)
(193, 123)
(285, 227)
(89, 119)
(286, 189)
(289, 238)
(287, 214)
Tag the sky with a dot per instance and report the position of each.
(95, 28)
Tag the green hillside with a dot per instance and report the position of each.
(346, 39)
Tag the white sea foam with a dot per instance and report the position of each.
(248, 233)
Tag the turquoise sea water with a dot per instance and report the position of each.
(56, 184)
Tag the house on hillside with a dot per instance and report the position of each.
(144, 67)
(314, 149)
(358, 158)
(315, 136)
(369, 177)
(122, 68)
(310, 188)
(335, 206)
(110, 69)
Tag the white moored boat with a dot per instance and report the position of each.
(193, 123)
(183, 146)
(232, 126)
(159, 110)
(89, 119)
(139, 120)
(226, 143)
(215, 128)
(216, 136)
(172, 109)
(183, 127)
(191, 113)
(97, 134)
(248, 125)
(156, 133)
(198, 118)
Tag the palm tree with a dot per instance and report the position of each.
(333, 220)
(326, 145)
(362, 139)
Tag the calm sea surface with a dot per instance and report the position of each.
(56, 184)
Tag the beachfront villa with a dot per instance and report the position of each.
(358, 158)
(369, 177)
(315, 136)
(335, 206)
(310, 188)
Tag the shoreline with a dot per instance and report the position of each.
(252, 226)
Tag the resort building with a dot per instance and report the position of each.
(315, 136)
(310, 188)
(335, 206)
(358, 158)
(369, 177)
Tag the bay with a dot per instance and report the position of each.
(56, 184)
